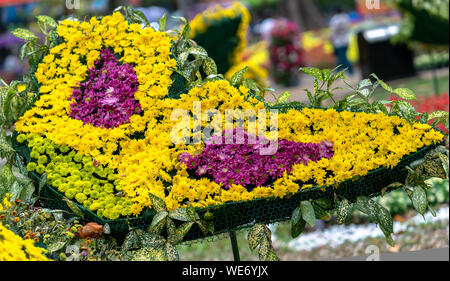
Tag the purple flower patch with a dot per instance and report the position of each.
(106, 98)
(241, 162)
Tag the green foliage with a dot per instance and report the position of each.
(323, 84)
(132, 15)
(195, 66)
(12, 182)
(425, 21)
(343, 210)
(362, 98)
(308, 215)
(237, 77)
(260, 235)
(15, 99)
(164, 234)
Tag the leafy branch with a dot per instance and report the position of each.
(159, 241)
(261, 236)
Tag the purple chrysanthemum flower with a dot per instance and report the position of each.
(241, 162)
(106, 98)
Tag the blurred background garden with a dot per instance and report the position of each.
(404, 42)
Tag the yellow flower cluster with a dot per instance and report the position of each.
(202, 21)
(14, 248)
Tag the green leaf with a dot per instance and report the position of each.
(264, 249)
(283, 98)
(255, 236)
(325, 203)
(437, 114)
(181, 231)
(405, 109)
(148, 240)
(296, 216)
(381, 107)
(24, 34)
(357, 102)
(310, 97)
(444, 159)
(7, 176)
(74, 208)
(432, 211)
(27, 192)
(186, 31)
(132, 240)
(423, 118)
(385, 220)
(179, 214)
(157, 203)
(271, 256)
(307, 211)
(106, 229)
(209, 66)
(298, 228)
(389, 240)
(343, 211)
(364, 83)
(139, 17)
(197, 51)
(42, 181)
(149, 254)
(251, 85)
(382, 83)
(15, 189)
(162, 22)
(237, 77)
(191, 213)
(203, 226)
(55, 246)
(419, 199)
(171, 252)
(170, 227)
(405, 93)
(47, 21)
(118, 9)
(158, 219)
(312, 71)
(320, 213)
(24, 50)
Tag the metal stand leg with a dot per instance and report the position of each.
(234, 246)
